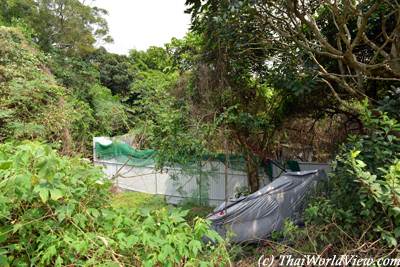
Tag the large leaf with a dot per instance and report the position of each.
(56, 194)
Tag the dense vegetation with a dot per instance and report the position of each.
(308, 80)
(36, 105)
(56, 211)
(367, 183)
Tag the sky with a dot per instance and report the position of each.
(140, 24)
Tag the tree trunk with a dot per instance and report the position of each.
(252, 173)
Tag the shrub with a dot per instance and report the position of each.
(55, 211)
(109, 113)
(36, 106)
(365, 185)
(32, 104)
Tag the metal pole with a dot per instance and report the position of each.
(226, 172)
(200, 184)
(155, 175)
(94, 149)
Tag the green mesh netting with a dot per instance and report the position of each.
(124, 153)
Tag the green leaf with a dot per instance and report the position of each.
(361, 163)
(397, 232)
(391, 241)
(131, 240)
(355, 154)
(396, 210)
(48, 254)
(94, 212)
(4, 261)
(195, 246)
(61, 215)
(56, 194)
(390, 138)
(44, 194)
(59, 262)
(16, 227)
(5, 164)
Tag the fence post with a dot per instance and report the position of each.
(226, 172)
(155, 175)
(200, 200)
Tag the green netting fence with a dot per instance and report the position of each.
(199, 180)
(125, 154)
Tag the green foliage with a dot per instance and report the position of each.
(32, 105)
(70, 25)
(289, 232)
(109, 113)
(75, 73)
(55, 211)
(10, 10)
(154, 58)
(165, 121)
(232, 79)
(136, 200)
(105, 114)
(116, 71)
(365, 191)
(233, 37)
(391, 103)
(185, 52)
(250, 38)
(195, 209)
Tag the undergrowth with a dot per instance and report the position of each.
(359, 214)
(56, 211)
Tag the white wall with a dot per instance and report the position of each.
(178, 186)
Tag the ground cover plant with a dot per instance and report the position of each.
(137, 200)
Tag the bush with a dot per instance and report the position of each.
(55, 211)
(165, 122)
(32, 104)
(365, 188)
(36, 106)
(110, 115)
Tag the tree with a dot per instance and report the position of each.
(116, 71)
(154, 58)
(184, 52)
(352, 46)
(66, 105)
(231, 82)
(322, 53)
(10, 10)
(362, 38)
(69, 25)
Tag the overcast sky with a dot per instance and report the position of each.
(142, 23)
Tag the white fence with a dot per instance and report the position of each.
(206, 184)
